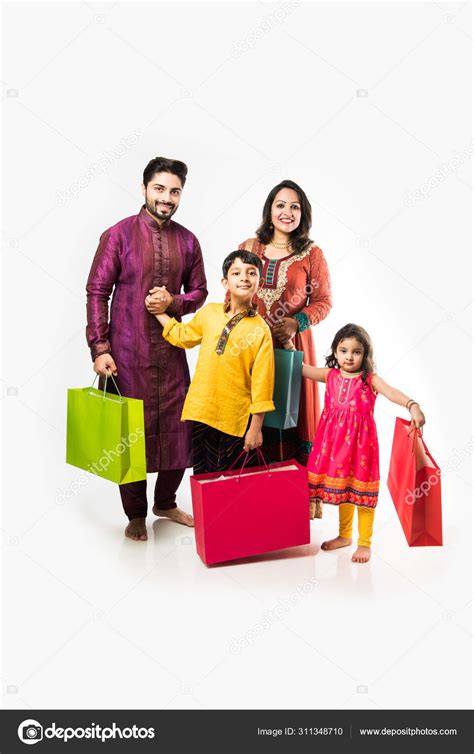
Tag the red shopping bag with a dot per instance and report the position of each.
(414, 481)
(250, 511)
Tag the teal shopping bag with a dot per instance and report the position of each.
(106, 434)
(286, 393)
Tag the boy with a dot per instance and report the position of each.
(235, 369)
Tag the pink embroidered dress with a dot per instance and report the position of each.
(343, 466)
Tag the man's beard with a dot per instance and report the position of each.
(151, 207)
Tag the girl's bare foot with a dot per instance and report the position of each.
(336, 543)
(175, 514)
(315, 509)
(361, 555)
(137, 530)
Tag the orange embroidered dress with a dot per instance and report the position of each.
(296, 286)
(343, 466)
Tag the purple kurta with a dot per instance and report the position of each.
(134, 256)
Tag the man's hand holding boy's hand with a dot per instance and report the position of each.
(158, 300)
(253, 439)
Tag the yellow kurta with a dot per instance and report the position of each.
(226, 388)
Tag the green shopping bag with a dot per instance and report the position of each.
(106, 434)
(286, 393)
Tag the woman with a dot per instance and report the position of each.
(294, 294)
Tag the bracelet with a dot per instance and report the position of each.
(410, 405)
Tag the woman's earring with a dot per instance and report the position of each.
(271, 226)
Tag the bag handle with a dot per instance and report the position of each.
(260, 457)
(105, 384)
(418, 432)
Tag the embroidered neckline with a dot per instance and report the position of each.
(224, 336)
(270, 296)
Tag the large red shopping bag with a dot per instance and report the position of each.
(414, 481)
(250, 511)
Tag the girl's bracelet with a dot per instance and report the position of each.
(410, 405)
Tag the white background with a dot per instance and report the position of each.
(360, 104)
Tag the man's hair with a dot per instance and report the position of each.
(165, 165)
(247, 257)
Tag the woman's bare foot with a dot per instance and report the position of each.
(137, 530)
(175, 514)
(336, 543)
(361, 555)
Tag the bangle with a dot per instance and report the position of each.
(410, 405)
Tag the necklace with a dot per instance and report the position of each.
(343, 371)
(277, 245)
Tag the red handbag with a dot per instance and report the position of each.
(414, 481)
(248, 512)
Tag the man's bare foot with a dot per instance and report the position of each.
(336, 543)
(361, 555)
(175, 514)
(137, 530)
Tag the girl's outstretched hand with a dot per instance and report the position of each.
(417, 416)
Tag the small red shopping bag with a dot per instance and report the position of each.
(250, 511)
(414, 481)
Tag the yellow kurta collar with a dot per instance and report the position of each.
(224, 336)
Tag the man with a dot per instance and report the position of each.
(148, 252)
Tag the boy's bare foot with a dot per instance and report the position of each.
(137, 530)
(336, 543)
(175, 514)
(361, 555)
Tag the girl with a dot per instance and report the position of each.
(343, 467)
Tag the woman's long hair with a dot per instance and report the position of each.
(299, 237)
(362, 337)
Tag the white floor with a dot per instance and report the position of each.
(96, 621)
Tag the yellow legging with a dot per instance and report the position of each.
(365, 518)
